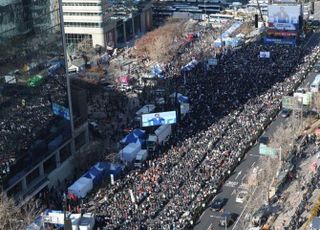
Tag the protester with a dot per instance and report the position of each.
(230, 109)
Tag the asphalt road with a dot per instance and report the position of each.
(236, 181)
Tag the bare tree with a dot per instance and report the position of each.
(13, 217)
(162, 43)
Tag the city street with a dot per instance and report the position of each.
(236, 182)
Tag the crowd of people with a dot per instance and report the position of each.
(230, 107)
(25, 114)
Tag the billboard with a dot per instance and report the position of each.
(284, 17)
(163, 118)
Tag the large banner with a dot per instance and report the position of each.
(282, 33)
(163, 118)
(281, 41)
(284, 17)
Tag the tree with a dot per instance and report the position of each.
(13, 217)
(162, 43)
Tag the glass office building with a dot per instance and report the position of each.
(35, 116)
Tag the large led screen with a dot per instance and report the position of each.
(163, 118)
(284, 17)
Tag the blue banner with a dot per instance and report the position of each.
(281, 41)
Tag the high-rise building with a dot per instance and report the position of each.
(89, 23)
(39, 133)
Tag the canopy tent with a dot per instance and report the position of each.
(81, 187)
(139, 133)
(94, 174)
(133, 137)
(140, 142)
(130, 138)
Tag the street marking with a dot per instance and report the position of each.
(253, 164)
(209, 226)
(244, 177)
(244, 186)
(253, 155)
(239, 173)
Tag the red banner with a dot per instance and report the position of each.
(282, 33)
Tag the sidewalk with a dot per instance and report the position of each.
(295, 190)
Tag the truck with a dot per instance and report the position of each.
(160, 137)
(129, 153)
(141, 157)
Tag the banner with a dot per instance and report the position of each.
(281, 41)
(61, 111)
(284, 17)
(282, 33)
(264, 54)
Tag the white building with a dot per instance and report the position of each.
(99, 23)
(83, 20)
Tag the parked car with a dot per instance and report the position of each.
(218, 204)
(227, 219)
(285, 113)
(241, 196)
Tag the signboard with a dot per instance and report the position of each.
(282, 33)
(163, 118)
(291, 102)
(264, 54)
(284, 17)
(61, 111)
(267, 151)
(281, 41)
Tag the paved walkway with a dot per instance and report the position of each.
(293, 195)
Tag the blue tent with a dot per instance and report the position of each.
(140, 141)
(139, 133)
(130, 138)
(183, 99)
(95, 175)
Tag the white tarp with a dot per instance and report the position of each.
(81, 187)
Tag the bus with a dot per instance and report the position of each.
(220, 17)
(314, 87)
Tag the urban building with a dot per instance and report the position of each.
(195, 9)
(89, 23)
(41, 128)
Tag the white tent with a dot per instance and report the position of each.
(81, 187)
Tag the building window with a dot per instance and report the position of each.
(80, 140)
(83, 24)
(81, 14)
(65, 153)
(80, 4)
(84, 39)
(33, 175)
(49, 165)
